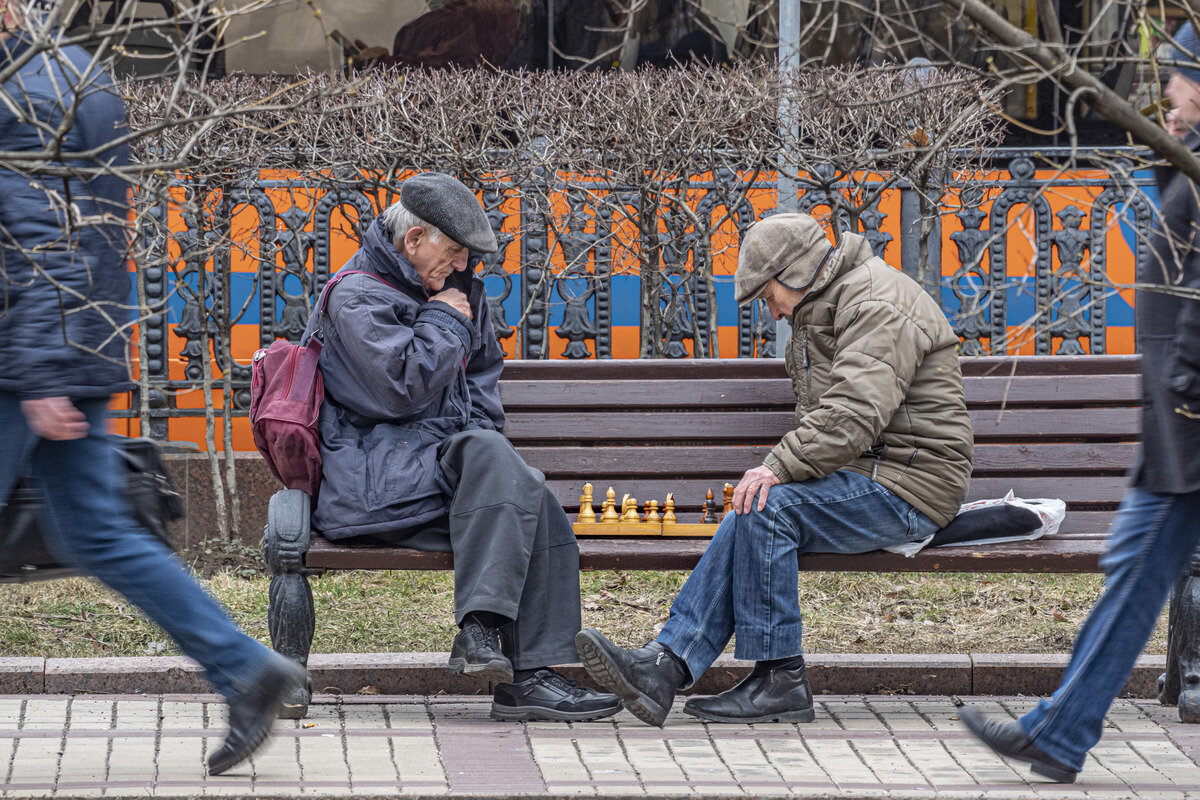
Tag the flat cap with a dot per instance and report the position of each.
(790, 247)
(444, 202)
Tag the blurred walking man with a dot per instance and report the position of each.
(1155, 530)
(62, 312)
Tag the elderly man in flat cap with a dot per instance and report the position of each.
(880, 456)
(414, 455)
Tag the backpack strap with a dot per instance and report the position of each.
(323, 303)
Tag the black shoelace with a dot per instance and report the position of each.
(484, 636)
(563, 682)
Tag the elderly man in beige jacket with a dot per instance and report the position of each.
(880, 456)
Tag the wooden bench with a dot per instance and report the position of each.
(1062, 427)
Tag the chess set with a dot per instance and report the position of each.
(624, 519)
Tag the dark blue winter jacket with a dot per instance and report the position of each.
(64, 306)
(401, 375)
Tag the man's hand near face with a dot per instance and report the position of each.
(756, 482)
(456, 300)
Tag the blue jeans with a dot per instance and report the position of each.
(88, 525)
(1151, 541)
(746, 584)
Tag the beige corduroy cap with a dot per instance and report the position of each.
(790, 247)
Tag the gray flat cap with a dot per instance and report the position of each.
(443, 201)
(790, 247)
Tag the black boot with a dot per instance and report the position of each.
(547, 696)
(476, 651)
(767, 694)
(1009, 739)
(253, 711)
(645, 679)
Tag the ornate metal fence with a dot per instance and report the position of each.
(1011, 262)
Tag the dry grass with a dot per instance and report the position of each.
(411, 611)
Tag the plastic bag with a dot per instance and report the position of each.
(1049, 510)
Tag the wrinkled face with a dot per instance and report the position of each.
(781, 301)
(434, 258)
(1184, 115)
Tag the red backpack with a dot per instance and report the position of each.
(286, 392)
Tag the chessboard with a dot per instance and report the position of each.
(625, 519)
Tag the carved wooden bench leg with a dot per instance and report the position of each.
(291, 617)
(1180, 684)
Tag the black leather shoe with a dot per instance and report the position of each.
(645, 679)
(476, 652)
(1009, 739)
(548, 696)
(774, 695)
(254, 710)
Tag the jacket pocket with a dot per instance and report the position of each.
(401, 466)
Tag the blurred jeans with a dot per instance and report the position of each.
(88, 525)
(1151, 542)
(746, 582)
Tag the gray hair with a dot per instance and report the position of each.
(398, 220)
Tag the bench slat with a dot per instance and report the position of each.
(767, 427)
(1046, 555)
(754, 368)
(622, 395)
(558, 461)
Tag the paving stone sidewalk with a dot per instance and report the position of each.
(876, 746)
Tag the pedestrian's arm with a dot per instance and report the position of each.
(400, 369)
(1185, 367)
(879, 351)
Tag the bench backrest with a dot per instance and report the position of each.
(1045, 426)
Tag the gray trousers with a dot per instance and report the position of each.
(514, 548)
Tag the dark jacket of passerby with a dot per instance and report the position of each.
(64, 284)
(1168, 337)
(401, 375)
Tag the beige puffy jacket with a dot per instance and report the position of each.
(879, 389)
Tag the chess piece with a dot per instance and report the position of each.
(586, 512)
(669, 511)
(728, 498)
(652, 511)
(710, 508)
(629, 509)
(609, 509)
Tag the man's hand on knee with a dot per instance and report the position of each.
(756, 482)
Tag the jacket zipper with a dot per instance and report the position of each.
(293, 355)
(807, 367)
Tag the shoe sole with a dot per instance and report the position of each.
(806, 715)
(605, 672)
(498, 671)
(1052, 772)
(506, 714)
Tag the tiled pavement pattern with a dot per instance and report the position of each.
(877, 746)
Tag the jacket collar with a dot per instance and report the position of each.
(852, 251)
(390, 263)
(1165, 173)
